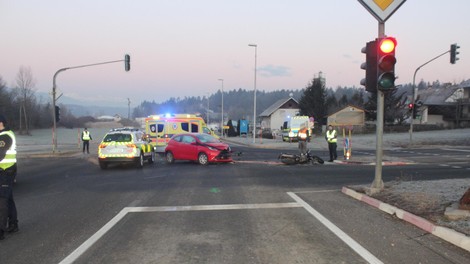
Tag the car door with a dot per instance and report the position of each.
(189, 147)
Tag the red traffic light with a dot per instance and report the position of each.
(410, 106)
(386, 61)
(387, 45)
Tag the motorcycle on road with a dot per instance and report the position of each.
(292, 159)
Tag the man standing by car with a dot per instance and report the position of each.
(86, 137)
(7, 174)
(331, 137)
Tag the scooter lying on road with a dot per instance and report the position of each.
(291, 159)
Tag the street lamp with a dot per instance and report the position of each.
(254, 100)
(222, 117)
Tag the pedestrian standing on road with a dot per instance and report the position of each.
(86, 137)
(302, 137)
(8, 213)
(331, 137)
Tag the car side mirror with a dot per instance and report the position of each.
(194, 143)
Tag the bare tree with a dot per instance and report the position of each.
(25, 84)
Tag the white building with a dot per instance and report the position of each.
(274, 116)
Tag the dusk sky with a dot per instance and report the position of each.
(182, 47)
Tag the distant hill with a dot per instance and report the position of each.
(83, 108)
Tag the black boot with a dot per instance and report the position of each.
(12, 227)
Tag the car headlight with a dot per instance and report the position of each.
(212, 148)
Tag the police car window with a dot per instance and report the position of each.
(185, 127)
(118, 137)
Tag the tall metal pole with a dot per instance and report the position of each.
(378, 184)
(128, 108)
(222, 116)
(254, 97)
(54, 99)
(208, 108)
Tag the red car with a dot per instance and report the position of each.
(202, 148)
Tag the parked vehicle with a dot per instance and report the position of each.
(291, 159)
(199, 147)
(125, 145)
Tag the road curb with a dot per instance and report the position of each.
(447, 234)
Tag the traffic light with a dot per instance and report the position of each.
(454, 53)
(127, 62)
(370, 66)
(57, 113)
(415, 111)
(386, 63)
(410, 107)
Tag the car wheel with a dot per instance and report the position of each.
(151, 160)
(140, 161)
(169, 157)
(202, 158)
(103, 165)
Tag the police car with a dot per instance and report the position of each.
(125, 145)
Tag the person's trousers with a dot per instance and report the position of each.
(303, 147)
(8, 212)
(332, 148)
(86, 144)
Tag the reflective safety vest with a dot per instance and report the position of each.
(86, 135)
(10, 156)
(331, 136)
(302, 134)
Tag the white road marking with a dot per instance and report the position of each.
(100, 233)
(364, 253)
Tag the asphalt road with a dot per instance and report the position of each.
(252, 211)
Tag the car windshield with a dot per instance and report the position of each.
(117, 137)
(207, 138)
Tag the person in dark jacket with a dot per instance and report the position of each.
(8, 214)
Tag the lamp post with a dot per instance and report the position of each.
(254, 100)
(222, 117)
(208, 108)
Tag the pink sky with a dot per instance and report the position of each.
(182, 47)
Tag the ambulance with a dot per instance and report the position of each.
(160, 128)
(292, 125)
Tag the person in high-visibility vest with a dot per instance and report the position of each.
(86, 137)
(331, 137)
(8, 212)
(302, 136)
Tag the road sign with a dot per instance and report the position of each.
(382, 9)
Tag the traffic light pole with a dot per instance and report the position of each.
(54, 99)
(378, 184)
(415, 91)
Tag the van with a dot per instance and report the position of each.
(160, 128)
(292, 125)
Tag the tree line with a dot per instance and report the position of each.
(25, 111)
